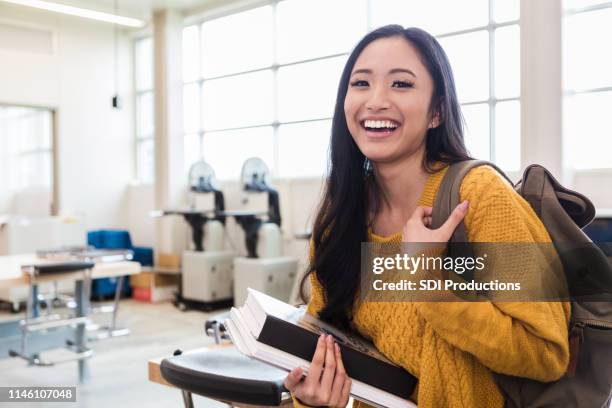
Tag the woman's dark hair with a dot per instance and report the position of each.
(341, 222)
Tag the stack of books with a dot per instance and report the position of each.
(284, 336)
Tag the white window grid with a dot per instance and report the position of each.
(141, 137)
(36, 151)
(569, 91)
(579, 10)
(491, 101)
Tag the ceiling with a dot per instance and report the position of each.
(141, 8)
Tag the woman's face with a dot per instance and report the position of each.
(387, 101)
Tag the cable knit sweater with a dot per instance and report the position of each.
(452, 347)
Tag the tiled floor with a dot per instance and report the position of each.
(119, 366)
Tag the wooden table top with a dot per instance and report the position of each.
(12, 274)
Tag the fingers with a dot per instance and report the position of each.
(327, 382)
(421, 212)
(454, 219)
(329, 371)
(340, 381)
(346, 393)
(318, 359)
(293, 379)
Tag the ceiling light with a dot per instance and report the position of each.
(80, 12)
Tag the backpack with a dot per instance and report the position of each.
(588, 379)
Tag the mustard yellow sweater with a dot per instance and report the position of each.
(452, 347)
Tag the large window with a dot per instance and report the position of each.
(263, 82)
(587, 84)
(483, 47)
(26, 156)
(145, 123)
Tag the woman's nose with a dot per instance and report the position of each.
(378, 100)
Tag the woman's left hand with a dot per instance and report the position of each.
(417, 227)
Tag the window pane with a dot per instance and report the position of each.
(222, 153)
(193, 150)
(191, 53)
(144, 64)
(585, 63)
(303, 149)
(507, 10)
(35, 170)
(588, 130)
(146, 160)
(573, 4)
(145, 122)
(25, 150)
(308, 91)
(436, 17)
(314, 28)
(507, 62)
(469, 59)
(477, 139)
(191, 108)
(508, 135)
(238, 42)
(28, 129)
(241, 100)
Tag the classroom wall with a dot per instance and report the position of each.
(75, 76)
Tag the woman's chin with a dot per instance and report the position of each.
(378, 157)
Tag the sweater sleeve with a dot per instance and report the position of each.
(525, 339)
(317, 295)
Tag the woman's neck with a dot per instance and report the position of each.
(400, 184)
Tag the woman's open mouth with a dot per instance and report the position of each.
(379, 128)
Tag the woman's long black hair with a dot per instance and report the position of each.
(342, 219)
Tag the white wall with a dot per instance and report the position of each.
(95, 143)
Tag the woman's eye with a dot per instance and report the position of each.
(402, 84)
(359, 83)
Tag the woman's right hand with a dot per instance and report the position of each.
(326, 383)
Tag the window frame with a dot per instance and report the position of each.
(491, 101)
(568, 93)
(139, 138)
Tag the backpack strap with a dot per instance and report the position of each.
(447, 197)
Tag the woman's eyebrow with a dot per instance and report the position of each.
(362, 71)
(393, 71)
(403, 70)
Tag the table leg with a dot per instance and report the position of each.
(82, 309)
(118, 291)
(32, 312)
(35, 310)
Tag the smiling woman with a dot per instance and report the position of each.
(396, 128)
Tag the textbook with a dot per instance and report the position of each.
(284, 336)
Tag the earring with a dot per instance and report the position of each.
(367, 167)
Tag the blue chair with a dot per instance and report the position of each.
(115, 239)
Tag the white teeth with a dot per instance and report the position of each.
(380, 124)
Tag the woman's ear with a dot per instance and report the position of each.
(436, 115)
(435, 121)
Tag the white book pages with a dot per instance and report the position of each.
(248, 345)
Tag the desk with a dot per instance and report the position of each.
(12, 274)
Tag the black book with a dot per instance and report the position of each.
(282, 335)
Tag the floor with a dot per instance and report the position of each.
(119, 366)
